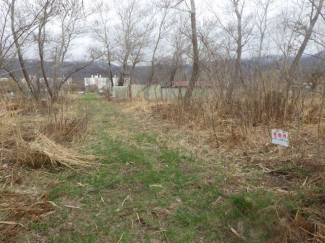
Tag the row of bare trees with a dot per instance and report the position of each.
(45, 30)
(176, 39)
(173, 35)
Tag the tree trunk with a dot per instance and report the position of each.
(122, 73)
(19, 53)
(38, 86)
(195, 72)
(41, 39)
(172, 75)
(152, 69)
(309, 32)
(238, 65)
(110, 73)
(131, 81)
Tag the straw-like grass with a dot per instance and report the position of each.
(31, 133)
(44, 151)
(18, 211)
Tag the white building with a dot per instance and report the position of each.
(97, 81)
(103, 83)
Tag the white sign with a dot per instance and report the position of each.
(280, 138)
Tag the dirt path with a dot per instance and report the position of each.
(155, 183)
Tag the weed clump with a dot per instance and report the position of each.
(36, 135)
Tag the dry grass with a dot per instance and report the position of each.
(35, 135)
(240, 129)
(43, 150)
(18, 211)
(30, 134)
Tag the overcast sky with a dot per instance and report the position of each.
(206, 10)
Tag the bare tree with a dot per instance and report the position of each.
(243, 32)
(315, 11)
(42, 15)
(48, 9)
(130, 16)
(9, 40)
(178, 45)
(191, 10)
(239, 39)
(70, 16)
(262, 22)
(23, 29)
(142, 41)
(284, 35)
(239, 31)
(18, 43)
(196, 61)
(5, 42)
(161, 32)
(102, 29)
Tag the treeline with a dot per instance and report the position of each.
(168, 36)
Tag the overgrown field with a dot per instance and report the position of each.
(35, 135)
(160, 180)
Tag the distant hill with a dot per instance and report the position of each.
(311, 62)
(315, 62)
(33, 67)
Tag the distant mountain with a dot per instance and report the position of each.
(316, 61)
(312, 63)
(33, 68)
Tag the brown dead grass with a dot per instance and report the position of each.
(43, 150)
(241, 132)
(34, 135)
(30, 134)
(18, 211)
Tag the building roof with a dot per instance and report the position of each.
(197, 84)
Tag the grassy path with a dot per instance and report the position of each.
(149, 191)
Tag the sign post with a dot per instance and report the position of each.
(280, 138)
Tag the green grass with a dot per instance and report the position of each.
(147, 192)
(89, 97)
